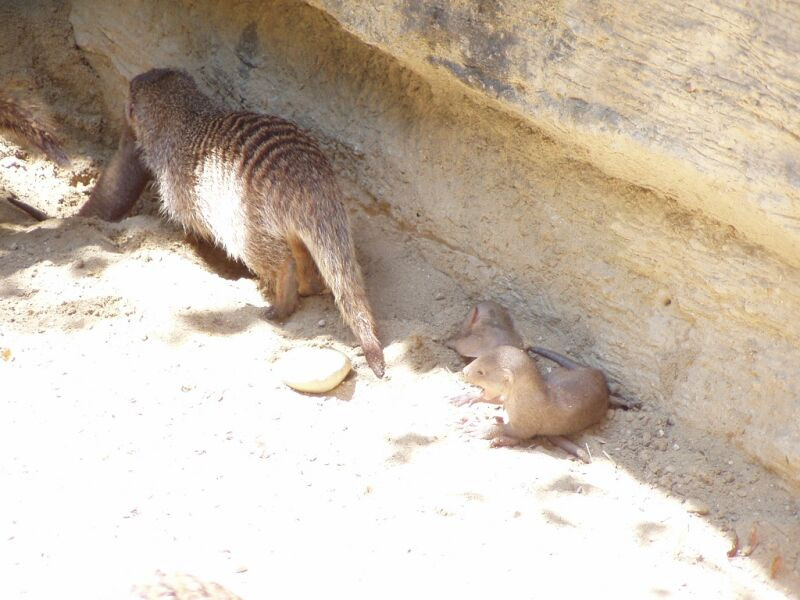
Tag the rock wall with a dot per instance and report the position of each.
(698, 102)
(626, 179)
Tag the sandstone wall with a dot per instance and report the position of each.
(696, 101)
(627, 178)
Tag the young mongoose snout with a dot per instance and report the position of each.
(568, 401)
(256, 185)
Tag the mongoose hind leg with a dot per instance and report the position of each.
(285, 298)
(273, 263)
(309, 279)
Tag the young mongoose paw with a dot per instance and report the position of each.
(476, 427)
(472, 426)
(464, 399)
(503, 441)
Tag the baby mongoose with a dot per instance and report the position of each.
(22, 121)
(121, 183)
(256, 185)
(487, 326)
(567, 401)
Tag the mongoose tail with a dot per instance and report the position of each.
(557, 358)
(331, 246)
(27, 208)
(19, 120)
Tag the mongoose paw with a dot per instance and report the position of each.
(477, 427)
(464, 400)
(503, 441)
(273, 313)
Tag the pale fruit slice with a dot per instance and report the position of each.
(314, 370)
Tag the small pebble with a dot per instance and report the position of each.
(698, 507)
(322, 323)
(313, 370)
(660, 445)
(439, 296)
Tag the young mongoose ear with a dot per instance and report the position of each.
(508, 375)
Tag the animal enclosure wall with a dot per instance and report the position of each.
(625, 179)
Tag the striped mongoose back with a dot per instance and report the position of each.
(260, 188)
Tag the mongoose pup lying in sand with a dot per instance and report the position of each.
(256, 185)
(568, 401)
(489, 325)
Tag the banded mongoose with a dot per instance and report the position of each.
(256, 185)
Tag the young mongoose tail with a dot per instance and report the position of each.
(557, 358)
(260, 188)
(23, 122)
(27, 208)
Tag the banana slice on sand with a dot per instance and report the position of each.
(314, 370)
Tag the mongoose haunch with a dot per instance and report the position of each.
(567, 401)
(257, 186)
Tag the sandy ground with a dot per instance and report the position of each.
(145, 428)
